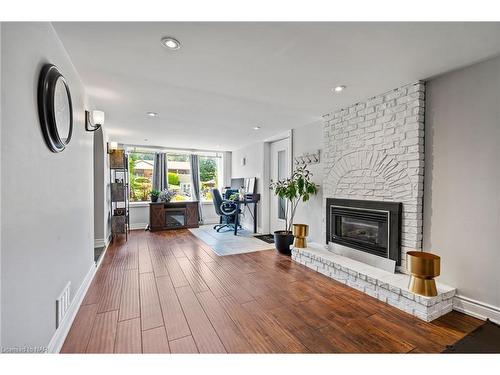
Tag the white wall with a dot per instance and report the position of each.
(208, 212)
(46, 198)
(107, 188)
(254, 167)
(100, 238)
(462, 179)
(308, 139)
(305, 139)
(0, 184)
(139, 215)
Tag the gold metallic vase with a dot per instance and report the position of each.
(423, 268)
(300, 231)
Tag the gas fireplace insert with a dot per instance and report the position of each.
(370, 226)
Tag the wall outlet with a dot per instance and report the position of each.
(62, 304)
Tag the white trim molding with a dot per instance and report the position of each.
(57, 340)
(140, 204)
(476, 309)
(212, 221)
(98, 242)
(101, 242)
(61, 332)
(135, 226)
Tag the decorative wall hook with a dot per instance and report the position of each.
(307, 158)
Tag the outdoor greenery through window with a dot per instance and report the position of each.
(208, 176)
(141, 165)
(179, 176)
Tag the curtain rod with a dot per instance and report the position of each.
(167, 149)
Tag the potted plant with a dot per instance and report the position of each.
(154, 195)
(293, 190)
(166, 195)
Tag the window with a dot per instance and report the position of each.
(179, 176)
(281, 176)
(209, 176)
(140, 167)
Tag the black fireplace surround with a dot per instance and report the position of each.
(370, 226)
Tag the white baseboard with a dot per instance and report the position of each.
(59, 336)
(476, 309)
(99, 261)
(135, 226)
(101, 242)
(209, 222)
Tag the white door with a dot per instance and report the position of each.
(279, 169)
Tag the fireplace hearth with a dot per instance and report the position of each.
(372, 227)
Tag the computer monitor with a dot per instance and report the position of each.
(237, 183)
(250, 185)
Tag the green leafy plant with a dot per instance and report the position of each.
(208, 169)
(234, 197)
(155, 193)
(141, 187)
(293, 190)
(173, 178)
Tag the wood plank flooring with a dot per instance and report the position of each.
(168, 292)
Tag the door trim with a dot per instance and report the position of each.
(266, 180)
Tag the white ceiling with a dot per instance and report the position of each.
(230, 77)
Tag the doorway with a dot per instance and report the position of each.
(279, 168)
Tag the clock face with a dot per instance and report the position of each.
(62, 110)
(55, 108)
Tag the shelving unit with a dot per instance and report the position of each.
(119, 186)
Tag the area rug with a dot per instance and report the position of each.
(484, 339)
(226, 243)
(267, 238)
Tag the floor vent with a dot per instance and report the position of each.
(62, 304)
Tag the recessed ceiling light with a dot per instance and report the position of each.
(339, 88)
(145, 139)
(152, 114)
(170, 43)
(256, 128)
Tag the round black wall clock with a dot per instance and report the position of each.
(55, 108)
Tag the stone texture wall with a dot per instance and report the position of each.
(374, 150)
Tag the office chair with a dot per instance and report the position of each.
(227, 211)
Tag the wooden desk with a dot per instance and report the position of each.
(249, 199)
(173, 215)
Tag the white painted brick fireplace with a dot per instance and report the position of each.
(374, 150)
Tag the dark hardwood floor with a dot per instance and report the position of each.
(168, 292)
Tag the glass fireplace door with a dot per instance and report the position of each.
(175, 217)
(365, 230)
